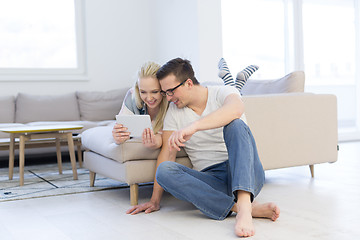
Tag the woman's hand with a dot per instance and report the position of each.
(120, 133)
(151, 140)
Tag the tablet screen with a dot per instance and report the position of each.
(135, 123)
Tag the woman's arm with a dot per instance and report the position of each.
(154, 204)
(119, 132)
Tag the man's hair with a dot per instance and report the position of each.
(181, 68)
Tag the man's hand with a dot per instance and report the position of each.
(151, 140)
(178, 138)
(120, 133)
(147, 207)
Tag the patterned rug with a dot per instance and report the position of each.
(45, 180)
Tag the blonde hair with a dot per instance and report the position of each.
(149, 69)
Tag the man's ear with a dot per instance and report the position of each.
(189, 83)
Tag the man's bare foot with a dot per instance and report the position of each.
(244, 225)
(266, 210)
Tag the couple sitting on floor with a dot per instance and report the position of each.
(209, 123)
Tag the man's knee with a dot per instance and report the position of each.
(164, 170)
(235, 125)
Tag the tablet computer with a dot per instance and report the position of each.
(134, 123)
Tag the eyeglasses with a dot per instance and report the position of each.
(170, 92)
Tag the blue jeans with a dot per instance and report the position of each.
(213, 189)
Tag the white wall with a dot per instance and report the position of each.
(210, 39)
(121, 35)
(190, 29)
(119, 39)
(175, 30)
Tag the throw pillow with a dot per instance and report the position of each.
(293, 82)
(31, 108)
(7, 109)
(98, 106)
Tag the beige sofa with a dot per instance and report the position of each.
(87, 108)
(290, 129)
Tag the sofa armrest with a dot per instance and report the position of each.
(293, 129)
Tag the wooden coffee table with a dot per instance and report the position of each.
(38, 133)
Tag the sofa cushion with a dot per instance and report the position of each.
(7, 109)
(293, 82)
(100, 140)
(31, 108)
(98, 106)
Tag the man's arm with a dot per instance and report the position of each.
(232, 109)
(154, 203)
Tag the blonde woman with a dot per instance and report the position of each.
(144, 98)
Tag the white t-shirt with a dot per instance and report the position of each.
(204, 148)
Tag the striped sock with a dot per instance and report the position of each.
(224, 73)
(244, 75)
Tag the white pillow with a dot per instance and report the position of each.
(7, 109)
(293, 82)
(98, 106)
(31, 108)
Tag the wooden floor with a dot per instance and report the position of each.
(326, 207)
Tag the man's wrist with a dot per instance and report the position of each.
(195, 126)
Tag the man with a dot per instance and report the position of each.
(227, 174)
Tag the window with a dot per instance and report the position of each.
(320, 37)
(329, 54)
(253, 33)
(40, 37)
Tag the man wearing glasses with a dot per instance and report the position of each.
(208, 122)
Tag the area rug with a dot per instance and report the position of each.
(45, 180)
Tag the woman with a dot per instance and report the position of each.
(144, 98)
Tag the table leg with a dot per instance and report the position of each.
(21, 159)
(72, 154)
(79, 152)
(11, 155)
(58, 154)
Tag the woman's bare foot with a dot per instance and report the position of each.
(244, 226)
(266, 210)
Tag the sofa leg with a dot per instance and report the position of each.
(92, 178)
(134, 194)
(312, 170)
